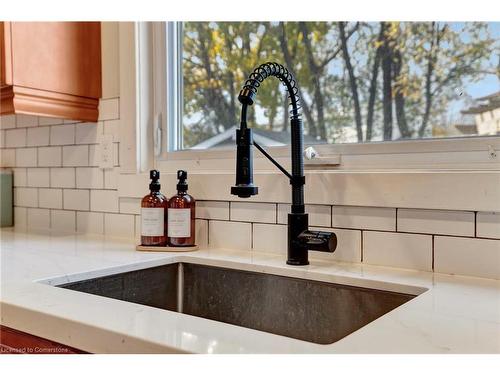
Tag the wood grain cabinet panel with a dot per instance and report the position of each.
(13, 341)
(51, 69)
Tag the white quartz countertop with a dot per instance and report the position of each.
(453, 314)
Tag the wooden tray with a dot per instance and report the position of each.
(167, 248)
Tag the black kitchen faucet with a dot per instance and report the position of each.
(300, 238)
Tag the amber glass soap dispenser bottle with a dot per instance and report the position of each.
(181, 215)
(154, 214)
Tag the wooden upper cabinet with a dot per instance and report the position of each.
(51, 69)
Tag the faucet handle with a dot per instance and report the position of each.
(319, 241)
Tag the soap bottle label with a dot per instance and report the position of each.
(152, 221)
(179, 222)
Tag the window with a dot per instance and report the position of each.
(360, 82)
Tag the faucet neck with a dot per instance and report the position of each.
(298, 178)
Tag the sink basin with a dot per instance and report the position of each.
(303, 309)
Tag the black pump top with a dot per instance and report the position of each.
(182, 185)
(154, 175)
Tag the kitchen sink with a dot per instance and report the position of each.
(314, 311)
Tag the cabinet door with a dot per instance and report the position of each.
(61, 57)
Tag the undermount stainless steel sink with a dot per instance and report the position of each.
(303, 309)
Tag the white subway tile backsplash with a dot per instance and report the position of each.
(212, 210)
(50, 198)
(201, 233)
(253, 212)
(63, 220)
(7, 121)
(75, 199)
(109, 109)
(110, 179)
(467, 256)
(374, 218)
(459, 223)
(283, 211)
(137, 186)
(130, 206)
(62, 177)
(26, 157)
(488, 224)
(319, 215)
(38, 136)
(38, 218)
(25, 121)
(20, 176)
(7, 158)
(403, 250)
(70, 121)
(230, 235)
(15, 138)
(119, 225)
(26, 197)
(76, 156)
(51, 154)
(88, 132)
(104, 200)
(137, 219)
(111, 127)
(2, 138)
(348, 246)
(90, 222)
(49, 157)
(95, 155)
(62, 135)
(49, 121)
(270, 238)
(20, 217)
(38, 177)
(92, 178)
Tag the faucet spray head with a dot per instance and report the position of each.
(244, 187)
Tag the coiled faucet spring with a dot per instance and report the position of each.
(268, 69)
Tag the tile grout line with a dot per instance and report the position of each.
(331, 216)
(135, 229)
(433, 238)
(251, 236)
(208, 233)
(475, 224)
(362, 246)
